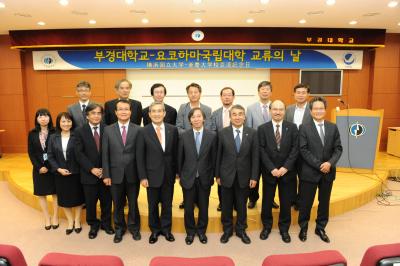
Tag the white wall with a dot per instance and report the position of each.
(243, 81)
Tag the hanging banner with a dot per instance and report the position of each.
(197, 59)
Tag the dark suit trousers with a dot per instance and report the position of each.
(201, 196)
(93, 193)
(307, 192)
(160, 223)
(285, 198)
(230, 196)
(119, 193)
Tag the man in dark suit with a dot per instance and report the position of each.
(158, 92)
(197, 158)
(278, 141)
(78, 110)
(120, 171)
(220, 119)
(157, 166)
(88, 154)
(320, 148)
(123, 88)
(237, 171)
(298, 113)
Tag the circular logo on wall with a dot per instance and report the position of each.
(349, 58)
(197, 35)
(48, 61)
(357, 130)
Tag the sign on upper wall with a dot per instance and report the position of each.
(197, 59)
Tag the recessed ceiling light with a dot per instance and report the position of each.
(41, 23)
(197, 2)
(2, 5)
(330, 2)
(197, 20)
(302, 21)
(63, 2)
(264, 2)
(250, 20)
(398, 24)
(145, 20)
(92, 21)
(353, 22)
(393, 4)
(129, 2)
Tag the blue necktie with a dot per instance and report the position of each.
(198, 142)
(237, 140)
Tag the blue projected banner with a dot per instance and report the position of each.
(197, 59)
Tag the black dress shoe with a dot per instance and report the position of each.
(203, 238)
(275, 205)
(136, 235)
(321, 233)
(225, 237)
(69, 231)
(251, 204)
(55, 226)
(93, 232)
(169, 237)
(244, 237)
(153, 238)
(285, 237)
(47, 227)
(303, 235)
(108, 230)
(265, 233)
(78, 230)
(219, 207)
(189, 239)
(182, 205)
(118, 237)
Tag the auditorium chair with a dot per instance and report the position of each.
(11, 256)
(382, 255)
(58, 259)
(320, 258)
(177, 261)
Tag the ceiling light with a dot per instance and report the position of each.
(41, 23)
(63, 2)
(393, 4)
(264, 2)
(197, 20)
(92, 21)
(145, 21)
(302, 21)
(197, 2)
(129, 2)
(2, 5)
(353, 22)
(398, 24)
(250, 20)
(330, 2)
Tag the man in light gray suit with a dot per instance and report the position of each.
(220, 119)
(119, 152)
(77, 110)
(258, 114)
(298, 113)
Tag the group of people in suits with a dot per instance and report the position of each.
(109, 156)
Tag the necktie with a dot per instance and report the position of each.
(198, 142)
(237, 140)
(96, 137)
(278, 136)
(123, 135)
(84, 111)
(226, 120)
(158, 132)
(321, 133)
(265, 113)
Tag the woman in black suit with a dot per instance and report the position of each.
(43, 179)
(61, 153)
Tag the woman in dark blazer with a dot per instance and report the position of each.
(43, 179)
(61, 153)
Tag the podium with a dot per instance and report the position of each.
(360, 133)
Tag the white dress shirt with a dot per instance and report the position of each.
(162, 131)
(280, 127)
(240, 133)
(98, 128)
(126, 127)
(299, 114)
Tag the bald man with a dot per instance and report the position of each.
(278, 140)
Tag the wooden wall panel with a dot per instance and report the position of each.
(9, 58)
(389, 56)
(386, 80)
(11, 81)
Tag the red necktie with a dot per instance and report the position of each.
(96, 138)
(123, 135)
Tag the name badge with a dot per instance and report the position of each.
(44, 156)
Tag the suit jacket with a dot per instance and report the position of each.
(35, 150)
(77, 115)
(289, 115)
(271, 157)
(216, 119)
(111, 118)
(86, 153)
(56, 155)
(154, 164)
(182, 121)
(314, 153)
(119, 160)
(190, 163)
(254, 116)
(244, 164)
(170, 116)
